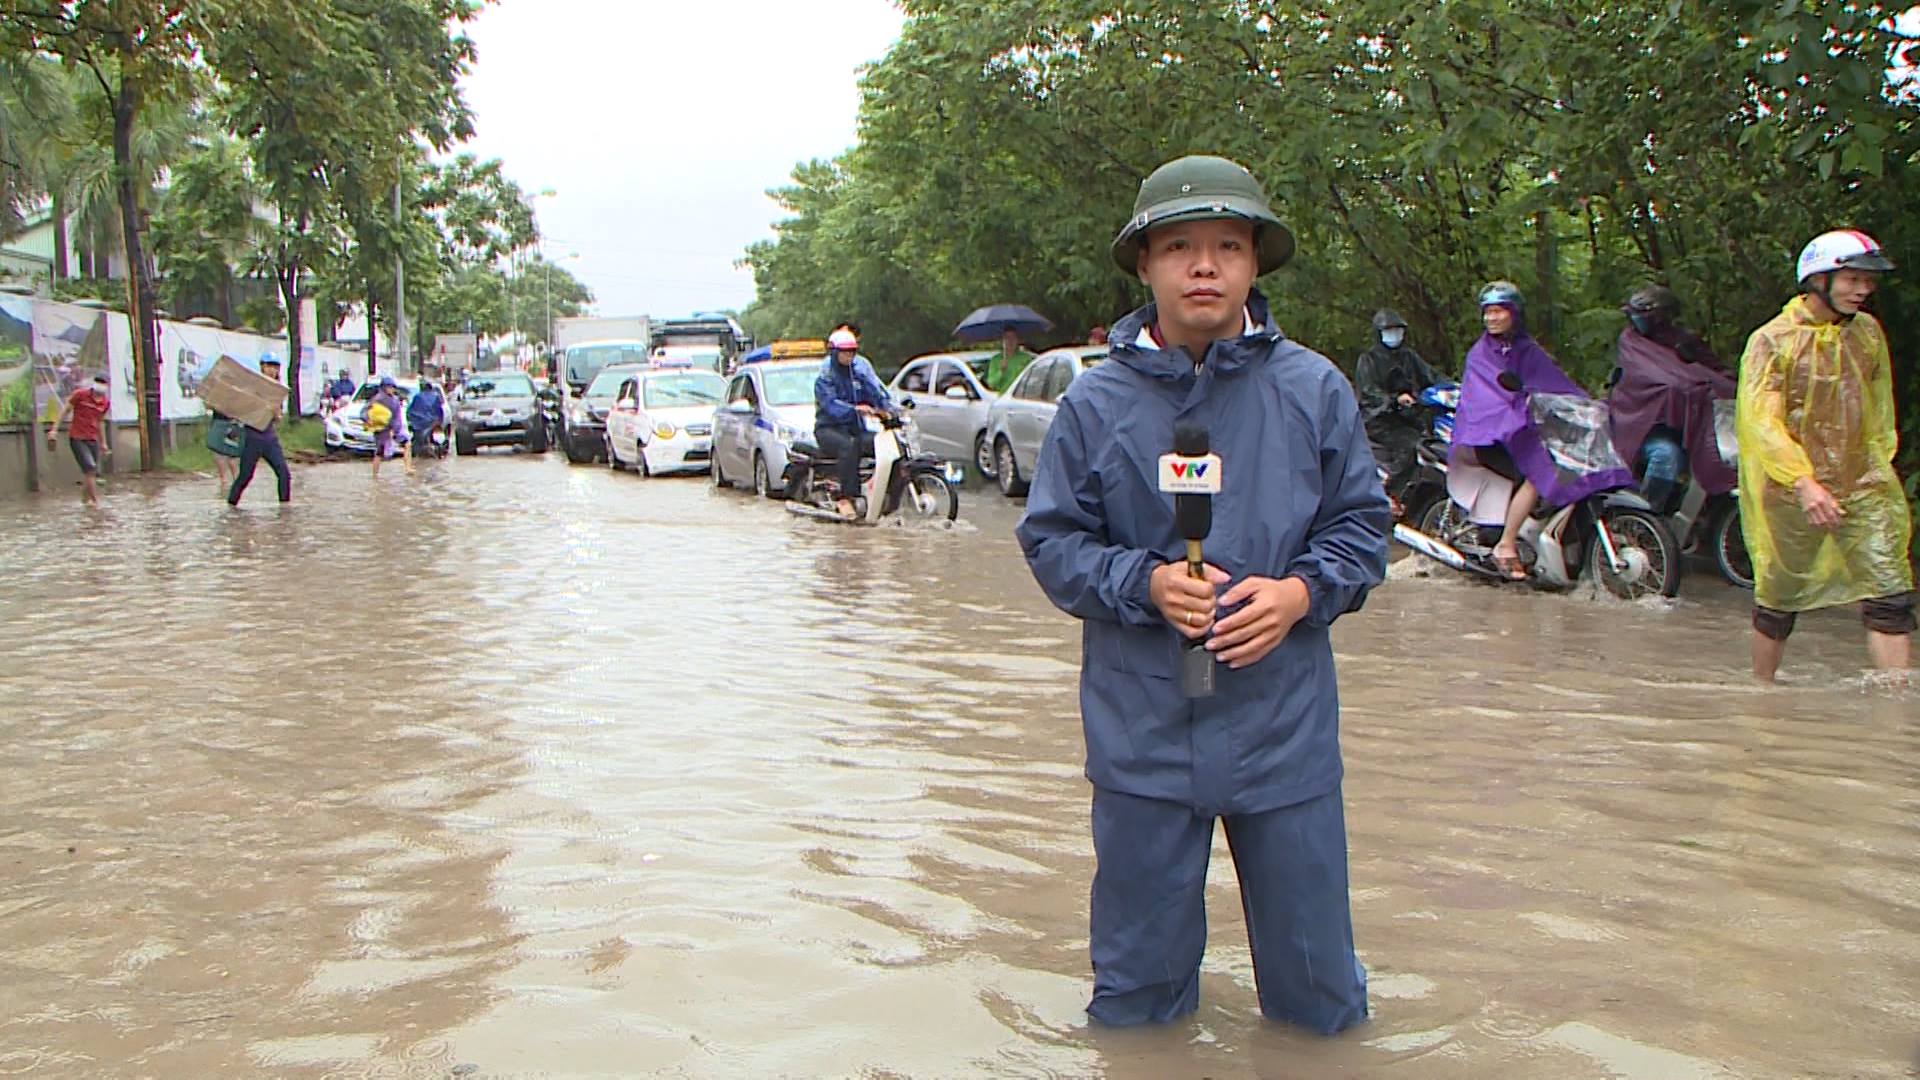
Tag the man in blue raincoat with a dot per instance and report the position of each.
(845, 393)
(1298, 538)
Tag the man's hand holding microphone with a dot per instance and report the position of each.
(1187, 593)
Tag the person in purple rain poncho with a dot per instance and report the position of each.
(1662, 401)
(1493, 429)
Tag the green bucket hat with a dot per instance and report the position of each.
(1199, 188)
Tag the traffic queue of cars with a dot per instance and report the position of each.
(765, 409)
(663, 414)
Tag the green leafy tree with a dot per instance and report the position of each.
(209, 229)
(1578, 148)
(137, 53)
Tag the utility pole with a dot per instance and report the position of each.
(399, 291)
(549, 292)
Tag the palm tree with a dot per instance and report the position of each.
(34, 106)
(83, 178)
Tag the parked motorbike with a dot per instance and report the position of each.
(1613, 537)
(898, 480)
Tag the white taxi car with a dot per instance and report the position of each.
(769, 407)
(662, 421)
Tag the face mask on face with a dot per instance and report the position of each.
(1642, 323)
(1392, 337)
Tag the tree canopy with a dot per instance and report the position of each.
(1578, 148)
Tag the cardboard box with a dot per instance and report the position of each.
(247, 396)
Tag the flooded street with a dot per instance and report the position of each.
(518, 769)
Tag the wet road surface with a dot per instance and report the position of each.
(516, 769)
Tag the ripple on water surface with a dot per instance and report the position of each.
(516, 768)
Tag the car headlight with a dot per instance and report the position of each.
(467, 413)
(582, 416)
(665, 430)
(788, 434)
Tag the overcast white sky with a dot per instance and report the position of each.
(660, 126)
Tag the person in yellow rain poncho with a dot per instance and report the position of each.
(1825, 519)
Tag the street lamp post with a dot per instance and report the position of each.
(513, 300)
(548, 263)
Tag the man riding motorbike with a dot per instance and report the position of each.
(1494, 429)
(426, 414)
(1664, 388)
(1387, 378)
(847, 392)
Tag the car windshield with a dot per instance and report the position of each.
(692, 388)
(607, 383)
(515, 385)
(708, 359)
(790, 386)
(585, 361)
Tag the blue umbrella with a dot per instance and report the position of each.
(990, 322)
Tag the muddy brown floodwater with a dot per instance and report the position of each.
(518, 769)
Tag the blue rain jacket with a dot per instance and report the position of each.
(840, 388)
(1300, 497)
(425, 409)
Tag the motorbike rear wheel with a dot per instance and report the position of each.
(1444, 520)
(1646, 544)
(930, 498)
(1730, 548)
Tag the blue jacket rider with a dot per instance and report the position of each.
(844, 394)
(1298, 538)
(426, 409)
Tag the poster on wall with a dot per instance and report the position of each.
(16, 359)
(47, 351)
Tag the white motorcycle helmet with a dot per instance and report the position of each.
(1841, 249)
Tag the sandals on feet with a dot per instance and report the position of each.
(1510, 567)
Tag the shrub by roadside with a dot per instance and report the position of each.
(303, 440)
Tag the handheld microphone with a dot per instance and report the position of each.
(1192, 474)
(1193, 511)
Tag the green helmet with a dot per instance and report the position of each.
(1200, 188)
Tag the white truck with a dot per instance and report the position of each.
(571, 330)
(457, 352)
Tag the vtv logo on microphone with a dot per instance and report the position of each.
(1183, 475)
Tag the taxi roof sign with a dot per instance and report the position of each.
(792, 350)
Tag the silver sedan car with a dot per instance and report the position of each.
(1018, 420)
(950, 401)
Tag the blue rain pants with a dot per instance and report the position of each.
(1662, 460)
(1150, 918)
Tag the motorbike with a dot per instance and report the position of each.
(898, 480)
(1698, 517)
(431, 443)
(1612, 537)
(1426, 483)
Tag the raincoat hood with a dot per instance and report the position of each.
(1816, 400)
(1131, 344)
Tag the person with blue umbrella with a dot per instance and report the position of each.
(1006, 322)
